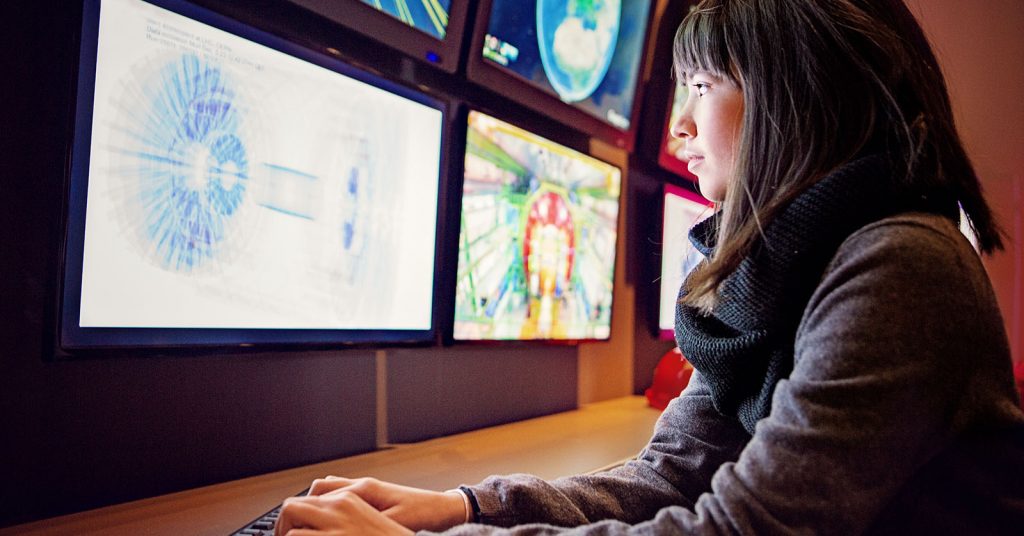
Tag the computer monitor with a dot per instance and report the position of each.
(682, 210)
(537, 238)
(428, 30)
(670, 155)
(578, 62)
(230, 188)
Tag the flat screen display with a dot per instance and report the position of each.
(682, 210)
(587, 54)
(226, 191)
(670, 156)
(428, 16)
(429, 30)
(537, 238)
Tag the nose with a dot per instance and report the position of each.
(684, 126)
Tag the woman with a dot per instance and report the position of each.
(853, 374)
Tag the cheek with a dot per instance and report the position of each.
(727, 141)
(724, 148)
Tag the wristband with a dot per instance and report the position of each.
(475, 506)
(465, 503)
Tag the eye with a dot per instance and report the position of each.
(701, 88)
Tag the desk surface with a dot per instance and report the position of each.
(573, 442)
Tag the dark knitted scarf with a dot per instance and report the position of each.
(746, 345)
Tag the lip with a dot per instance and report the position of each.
(694, 162)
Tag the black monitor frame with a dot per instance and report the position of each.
(73, 340)
(444, 54)
(483, 73)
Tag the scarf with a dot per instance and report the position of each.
(745, 346)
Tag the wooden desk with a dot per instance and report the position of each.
(595, 436)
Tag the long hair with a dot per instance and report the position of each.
(823, 81)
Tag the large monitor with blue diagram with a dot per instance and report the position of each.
(537, 241)
(231, 188)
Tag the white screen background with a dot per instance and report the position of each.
(333, 229)
(678, 253)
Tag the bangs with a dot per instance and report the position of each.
(700, 43)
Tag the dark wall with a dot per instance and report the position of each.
(646, 187)
(88, 433)
(83, 433)
(474, 387)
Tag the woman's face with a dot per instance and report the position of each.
(710, 126)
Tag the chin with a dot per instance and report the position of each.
(710, 192)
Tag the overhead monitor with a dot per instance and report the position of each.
(670, 156)
(682, 210)
(229, 188)
(428, 30)
(537, 239)
(578, 62)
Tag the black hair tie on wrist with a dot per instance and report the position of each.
(472, 502)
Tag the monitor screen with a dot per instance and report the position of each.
(229, 188)
(428, 16)
(429, 30)
(537, 238)
(670, 156)
(682, 210)
(586, 54)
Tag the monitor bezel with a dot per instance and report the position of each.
(73, 339)
(392, 32)
(508, 84)
(561, 137)
(690, 195)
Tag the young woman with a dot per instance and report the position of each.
(853, 375)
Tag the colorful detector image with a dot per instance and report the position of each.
(430, 16)
(537, 239)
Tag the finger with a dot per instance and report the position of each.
(356, 513)
(289, 517)
(367, 488)
(328, 484)
(301, 512)
(347, 514)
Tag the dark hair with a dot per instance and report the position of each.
(823, 81)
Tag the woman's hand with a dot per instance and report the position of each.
(335, 514)
(416, 509)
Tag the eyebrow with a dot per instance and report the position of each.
(690, 75)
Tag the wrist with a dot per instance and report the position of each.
(459, 510)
